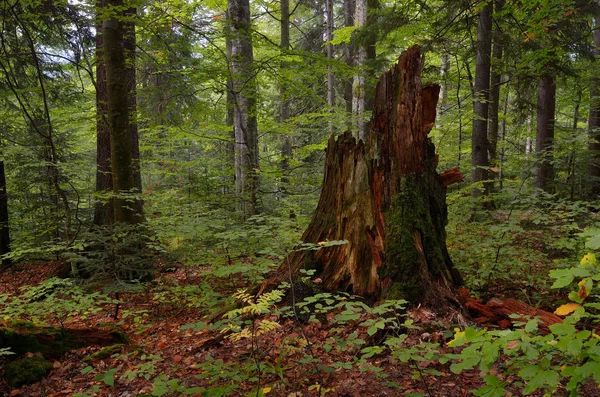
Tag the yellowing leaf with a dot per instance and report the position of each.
(565, 309)
(588, 259)
(322, 242)
(266, 390)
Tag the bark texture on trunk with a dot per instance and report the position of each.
(104, 209)
(104, 213)
(244, 111)
(494, 106)
(544, 134)
(122, 160)
(358, 85)
(594, 118)
(384, 197)
(479, 139)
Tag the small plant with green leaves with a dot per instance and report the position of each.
(564, 358)
(252, 308)
(55, 299)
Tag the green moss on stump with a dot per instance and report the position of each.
(26, 370)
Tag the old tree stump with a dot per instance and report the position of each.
(385, 197)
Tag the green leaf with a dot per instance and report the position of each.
(532, 325)
(593, 243)
(342, 35)
(562, 329)
(108, 377)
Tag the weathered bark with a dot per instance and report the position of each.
(244, 94)
(505, 312)
(544, 133)
(594, 118)
(479, 139)
(116, 130)
(384, 197)
(104, 207)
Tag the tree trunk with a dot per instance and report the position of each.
(494, 100)
(594, 118)
(544, 133)
(118, 83)
(479, 139)
(385, 198)
(4, 229)
(358, 85)
(349, 6)
(330, 75)
(244, 98)
(104, 211)
(104, 208)
(284, 102)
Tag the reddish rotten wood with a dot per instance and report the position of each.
(385, 198)
(451, 176)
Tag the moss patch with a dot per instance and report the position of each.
(25, 371)
(46, 340)
(105, 353)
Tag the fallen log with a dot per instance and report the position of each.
(55, 341)
(505, 312)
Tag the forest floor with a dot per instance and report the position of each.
(167, 356)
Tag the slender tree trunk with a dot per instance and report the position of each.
(544, 133)
(284, 102)
(444, 69)
(329, 36)
(594, 118)
(230, 105)
(244, 91)
(123, 165)
(349, 9)
(479, 139)
(358, 85)
(4, 226)
(494, 100)
(385, 198)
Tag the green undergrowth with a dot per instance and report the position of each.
(536, 248)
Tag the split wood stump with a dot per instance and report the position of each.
(386, 199)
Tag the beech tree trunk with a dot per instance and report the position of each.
(384, 196)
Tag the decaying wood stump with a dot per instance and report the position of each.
(386, 199)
